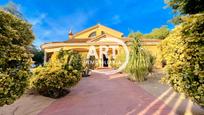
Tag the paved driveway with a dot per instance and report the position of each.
(106, 95)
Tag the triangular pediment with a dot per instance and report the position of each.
(96, 31)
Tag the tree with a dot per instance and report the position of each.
(38, 55)
(186, 6)
(158, 33)
(13, 8)
(15, 59)
(137, 34)
(183, 50)
(176, 20)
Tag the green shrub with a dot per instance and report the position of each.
(91, 62)
(151, 61)
(119, 59)
(140, 62)
(183, 50)
(63, 71)
(15, 58)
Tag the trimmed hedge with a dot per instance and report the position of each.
(63, 71)
(15, 59)
(183, 50)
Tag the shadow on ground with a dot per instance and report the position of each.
(178, 103)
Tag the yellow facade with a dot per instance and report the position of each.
(99, 30)
(94, 35)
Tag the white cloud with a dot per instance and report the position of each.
(116, 19)
(37, 20)
(48, 29)
(78, 20)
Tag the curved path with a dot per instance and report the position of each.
(106, 95)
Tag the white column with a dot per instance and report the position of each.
(45, 57)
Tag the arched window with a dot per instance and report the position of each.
(93, 34)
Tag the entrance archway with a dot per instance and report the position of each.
(105, 61)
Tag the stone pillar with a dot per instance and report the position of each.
(45, 57)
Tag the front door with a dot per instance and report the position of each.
(105, 61)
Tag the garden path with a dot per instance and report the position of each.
(102, 94)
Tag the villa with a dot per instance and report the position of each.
(94, 35)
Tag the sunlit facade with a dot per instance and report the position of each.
(94, 35)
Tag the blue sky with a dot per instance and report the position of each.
(52, 19)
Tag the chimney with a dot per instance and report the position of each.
(70, 34)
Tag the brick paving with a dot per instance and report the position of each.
(107, 95)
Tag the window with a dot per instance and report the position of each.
(93, 34)
(102, 32)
